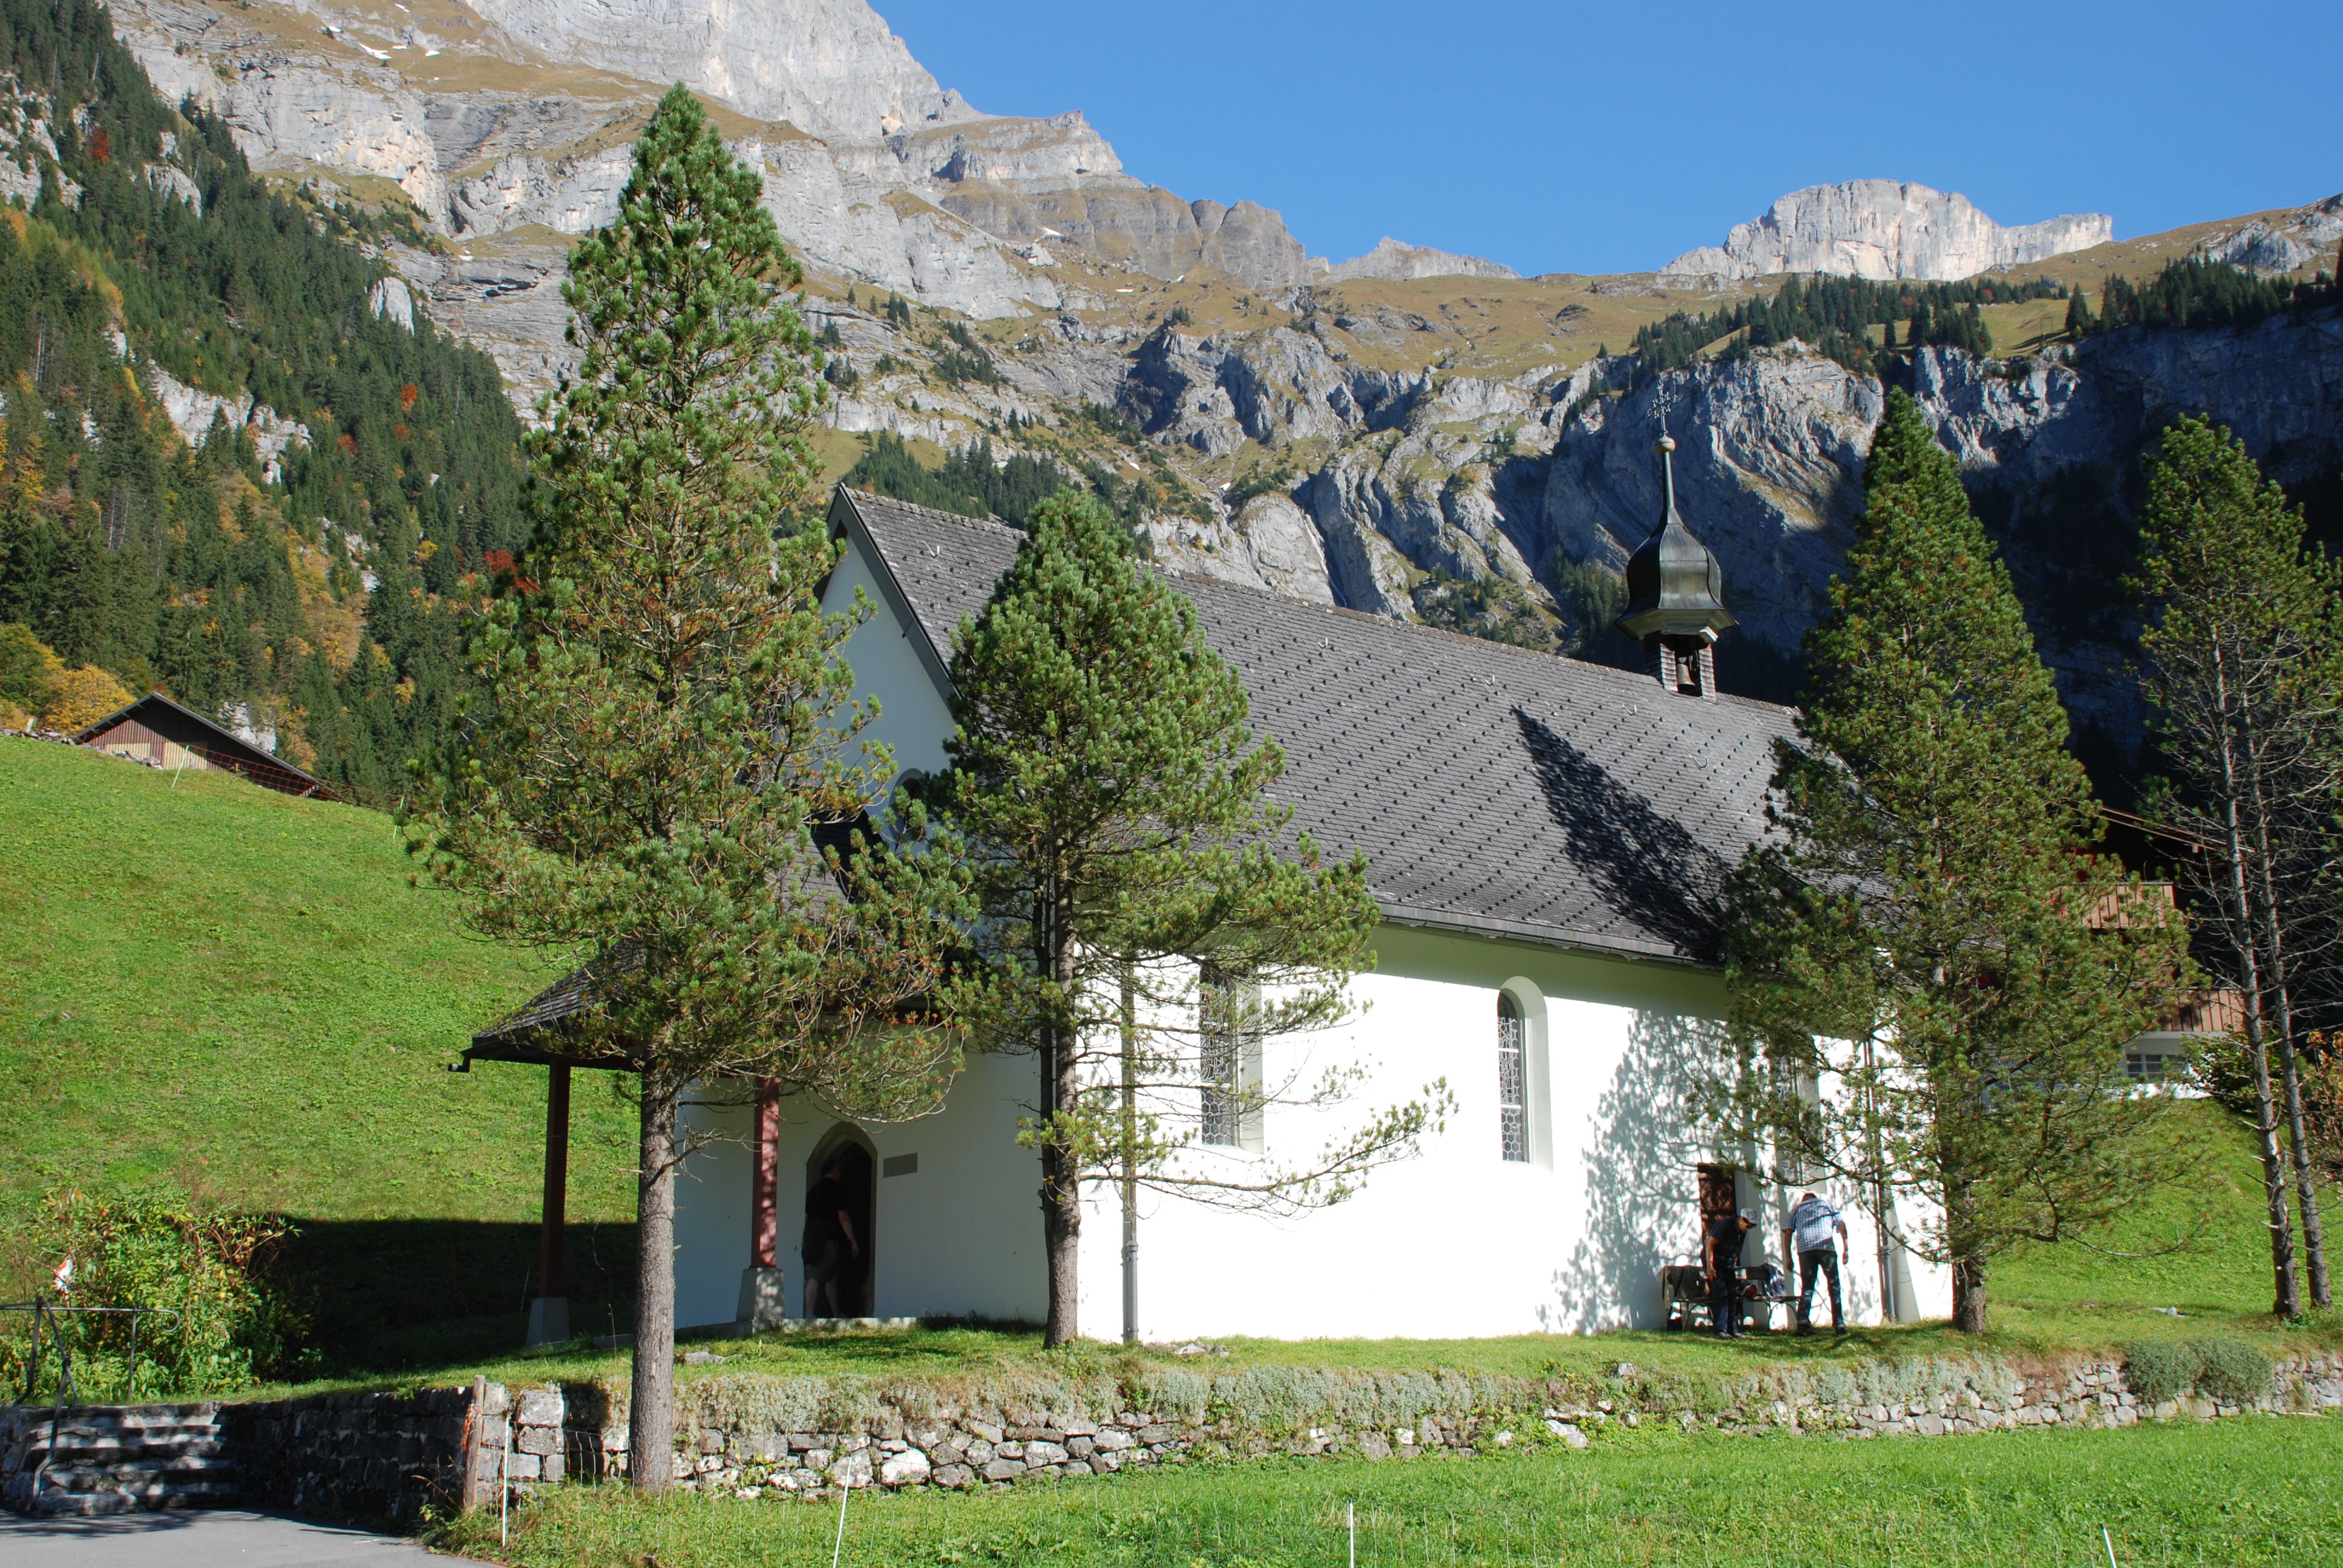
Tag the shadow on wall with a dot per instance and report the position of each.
(1642, 1188)
(1645, 865)
(394, 1295)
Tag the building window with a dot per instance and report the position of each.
(2152, 1066)
(1229, 1062)
(1512, 1077)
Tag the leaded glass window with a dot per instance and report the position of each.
(1512, 1077)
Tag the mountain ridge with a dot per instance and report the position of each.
(1883, 229)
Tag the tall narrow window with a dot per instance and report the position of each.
(1226, 1052)
(1513, 1078)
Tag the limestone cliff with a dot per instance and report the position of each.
(1883, 229)
(1394, 259)
(513, 116)
(827, 66)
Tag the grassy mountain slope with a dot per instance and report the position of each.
(151, 252)
(206, 982)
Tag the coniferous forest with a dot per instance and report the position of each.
(205, 572)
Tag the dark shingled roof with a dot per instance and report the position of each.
(182, 726)
(1493, 789)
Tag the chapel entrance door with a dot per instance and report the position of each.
(857, 1179)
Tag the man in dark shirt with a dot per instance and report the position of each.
(1725, 1233)
(828, 1247)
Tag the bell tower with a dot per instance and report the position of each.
(1676, 597)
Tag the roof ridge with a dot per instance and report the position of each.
(1287, 603)
(980, 524)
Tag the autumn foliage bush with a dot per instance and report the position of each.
(157, 1248)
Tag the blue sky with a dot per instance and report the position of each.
(1602, 138)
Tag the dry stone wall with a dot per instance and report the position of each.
(399, 1453)
(758, 1436)
(371, 1455)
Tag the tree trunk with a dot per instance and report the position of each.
(1062, 1196)
(1130, 1021)
(2306, 1178)
(2273, 934)
(2238, 906)
(650, 1446)
(1968, 1295)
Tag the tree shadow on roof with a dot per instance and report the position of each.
(1646, 866)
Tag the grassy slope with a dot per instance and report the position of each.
(2255, 1491)
(211, 982)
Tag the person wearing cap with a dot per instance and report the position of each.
(1812, 1223)
(1725, 1233)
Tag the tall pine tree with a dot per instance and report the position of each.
(1146, 928)
(1932, 976)
(666, 719)
(2244, 645)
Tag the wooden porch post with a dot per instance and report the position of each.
(765, 1219)
(762, 1300)
(549, 1314)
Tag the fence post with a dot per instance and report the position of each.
(476, 1420)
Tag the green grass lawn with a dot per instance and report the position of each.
(2249, 1491)
(212, 983)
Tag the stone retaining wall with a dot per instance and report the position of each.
(370, 1455)
(395, 1454)
(913, 1435)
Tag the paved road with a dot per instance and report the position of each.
(204, 1538)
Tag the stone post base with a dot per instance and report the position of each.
(548, 1320)
(762, 1300)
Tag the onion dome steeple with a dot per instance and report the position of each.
(1675, 596)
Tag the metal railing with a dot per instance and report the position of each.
(46, 1310)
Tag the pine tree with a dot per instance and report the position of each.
(2245, 647)
(2079, 324)
(668, 718)
(1142, 920)
(1932, 901)
(1917, 335)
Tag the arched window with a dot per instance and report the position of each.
(1512, 1077)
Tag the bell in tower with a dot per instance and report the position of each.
(1676, 597)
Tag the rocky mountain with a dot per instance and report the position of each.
(1411, 433)
(1881, 229)
(507, 122)
(1393, 258)
(2287, 242)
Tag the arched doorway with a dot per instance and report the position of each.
(857, 1179)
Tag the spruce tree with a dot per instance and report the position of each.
(2244, 639)
(1932, 975)
(1143, 914)
(2079, 314)
(666, 717)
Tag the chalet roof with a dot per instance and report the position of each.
(221, 747)
(1494, 790)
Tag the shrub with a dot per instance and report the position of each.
(157, 1248)
(2158, 1372)
(29, 673)
(2229, 1370)
(82, 696)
